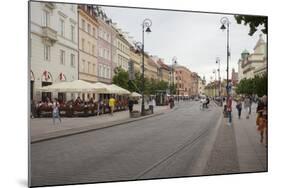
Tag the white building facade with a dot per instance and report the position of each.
(53, 47)
(253, 64)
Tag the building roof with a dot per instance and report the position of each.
(260, 42)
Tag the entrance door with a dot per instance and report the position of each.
(46, 95)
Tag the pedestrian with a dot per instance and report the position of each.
(111, 104)
(247, 106)
(56, 113)
(239, 108)
(229, 109)
(261, 120)
(130, 105)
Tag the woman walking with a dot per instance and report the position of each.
(247, 106)
(262, 118)
(239, 108)
(56, 113)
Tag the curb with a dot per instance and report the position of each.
(74, 131)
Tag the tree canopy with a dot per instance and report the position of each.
(121, 78)
(253, 21)
(256, 85)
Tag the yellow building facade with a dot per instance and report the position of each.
(88, 28)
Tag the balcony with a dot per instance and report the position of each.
(49, 34)
(50, 5)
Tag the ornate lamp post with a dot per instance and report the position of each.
(225, 25)
(146, 24)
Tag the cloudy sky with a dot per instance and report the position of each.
(194, 38)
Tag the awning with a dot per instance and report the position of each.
(75, 86)
(118, 90)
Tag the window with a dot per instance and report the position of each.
(89, 29)
(103, 55)
(83, 44)
(94, 32)
(100, 52)
(61, 27)
(83, 25)
(104, 71)
(100, 70)
(47, 54)
(83, 66)
(72, 33)
(89, 46)
(72, 60)
(62, 57)
(93, 69)
(72, 8)
(109, 70)
(89, 65)
(93, 49)
(46, 18)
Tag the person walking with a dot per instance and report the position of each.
(111, 104)
(239, 108)
(229, 109)
(247, 106)
(130, 105)
(56, 113)
(261, 120)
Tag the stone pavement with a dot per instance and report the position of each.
(237, 148)
(43, 128)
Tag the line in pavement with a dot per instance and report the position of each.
(186, 145)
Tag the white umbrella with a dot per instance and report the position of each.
(73, 86)
(135, 94)
(118, 90)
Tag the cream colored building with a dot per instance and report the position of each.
(53, 47)
(123, 50)
(136, 58)
(88, 42)
(255, 63)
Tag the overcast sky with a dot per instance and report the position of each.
(194, 38)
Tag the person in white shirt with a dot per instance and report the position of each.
(56, 113)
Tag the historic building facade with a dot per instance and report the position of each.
(88, 43)
(183, 80)
(253, 64)
(53, 47)
(104, 67)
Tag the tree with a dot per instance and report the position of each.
(253, 21)
(256, 85)
(121, 78)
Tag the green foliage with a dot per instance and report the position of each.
(256, 85)
(121, 78)
(253, 21)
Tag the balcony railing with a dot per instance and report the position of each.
(49, 34)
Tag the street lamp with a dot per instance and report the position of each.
(225, 25)
(146, 24)
(219, 70)
(215, 82)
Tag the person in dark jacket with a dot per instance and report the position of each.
(130, 105)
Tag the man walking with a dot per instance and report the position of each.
(229, 109)
(111, 104)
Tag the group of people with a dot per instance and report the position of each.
(261, 119)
